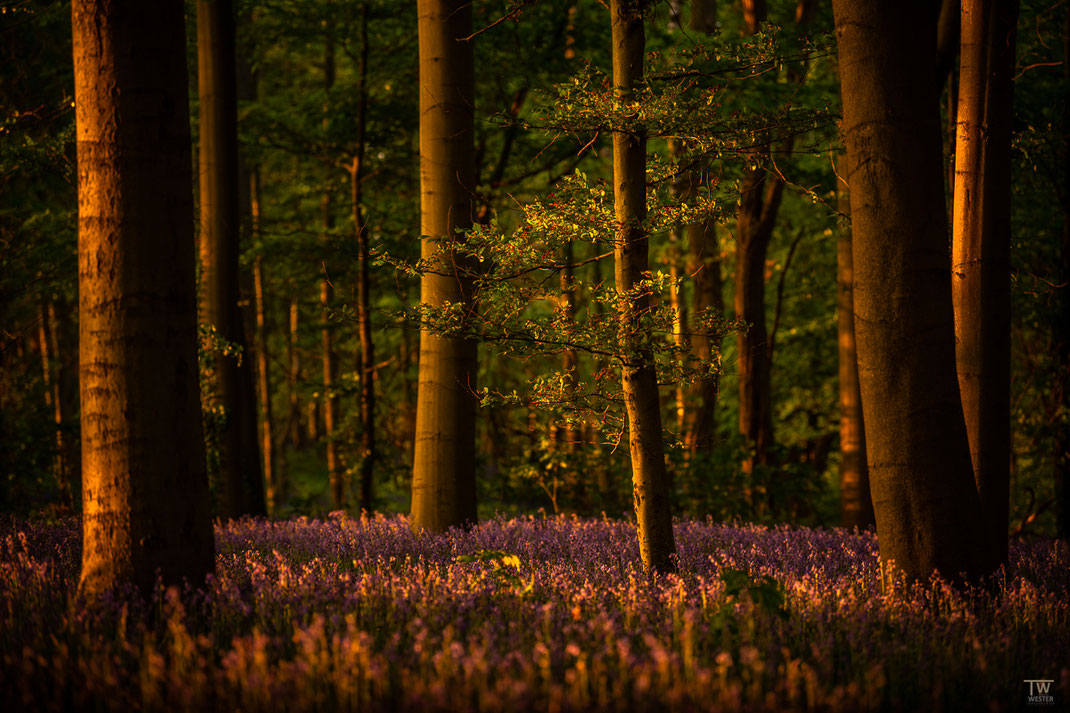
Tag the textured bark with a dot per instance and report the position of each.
(925, 501)
(650, 485)
(145, 489)
(981, 247)
(856, 503)
(242, 479)
(335, 473)
(443, 481)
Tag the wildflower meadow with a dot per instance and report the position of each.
(529, 614)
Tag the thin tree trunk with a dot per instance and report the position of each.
(443, 480)
(926, 504)
(639, 380)
(48, 342)
(293, 377)
(145, 489)
(272, 476)
(60, 409)
(220, 250)
(330, 366)
(981, 248)
(856, 503)
(369, 451)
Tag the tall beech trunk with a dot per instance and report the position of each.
(650, 485)
(144, 484)
(926, 504)
(443, 476)
(243, 485)
(981, 250)
(369, 451)
(335, 474)
(856, 503)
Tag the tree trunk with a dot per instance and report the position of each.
(243, 486)
(981, 248)
(925, 501)
(330, 366)
(443, 480)
(47, 348)
(759, 203)
(640, 385)
(145, 489)
(272, 476)
(61, 408)
(856, 503)
(754, 14)
(369, 451)
(293, 377)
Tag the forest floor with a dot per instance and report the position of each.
(528, 614)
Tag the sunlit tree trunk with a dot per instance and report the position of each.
(926, 504)
(145, 489)
(981, 247)
(243, 486)
(640, 385)
(856, 503)
(443, 481)
(754, 14)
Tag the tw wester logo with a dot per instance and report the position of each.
(1040, 692)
